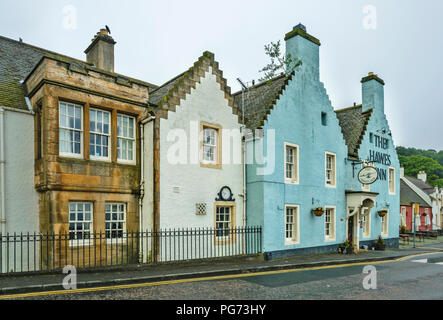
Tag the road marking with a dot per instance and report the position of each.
(233, 276)
(421, 261)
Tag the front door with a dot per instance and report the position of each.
(351, 228)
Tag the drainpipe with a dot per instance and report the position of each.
(2, 170)
(142, 178)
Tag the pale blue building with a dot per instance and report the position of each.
(307, 156)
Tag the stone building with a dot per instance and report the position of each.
(86, 139)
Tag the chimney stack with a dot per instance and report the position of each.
(422, 176)
(101, 51)
(304, 47)
(373, 93)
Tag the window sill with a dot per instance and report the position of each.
(80, 243)
(71, 156)
(296, 182)
(332, 186)
(131, 163)
(330, 239)
(291, 242)
(210, 165)
(99, 159)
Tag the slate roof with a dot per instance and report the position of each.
(17, 61)
(353, 122)
(169, 95)
(156, 95)
(260, 100)
(407, 195)
(428, 189)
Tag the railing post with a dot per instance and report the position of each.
(1, 253)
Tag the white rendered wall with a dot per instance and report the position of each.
(21, 197)
(184, 185)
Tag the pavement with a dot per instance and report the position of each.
(26, 283)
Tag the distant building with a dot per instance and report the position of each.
(430, 199)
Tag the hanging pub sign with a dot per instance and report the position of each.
(368, 175)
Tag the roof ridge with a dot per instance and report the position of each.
(54, 55)
(168, 82)
(265, 82)
(183, 83)
(44, 51)
(350, 108)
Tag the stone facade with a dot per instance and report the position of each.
(62, 179)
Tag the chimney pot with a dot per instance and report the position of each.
(300, 26)
(422, 175)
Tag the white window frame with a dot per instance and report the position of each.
(366, 230)
(110, 239)
(80, 242)
(134, 140)
(385, 225)
(94, 157)
(224, 239)
(333, 170)
(214, 146)
(391, 180)
(403, 216)
(81, 130)
(332, 223)
(427, 217)
(295, 179)
(295, 225)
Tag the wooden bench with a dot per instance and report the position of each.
(418, 235)
(404, 237)
(433, 234)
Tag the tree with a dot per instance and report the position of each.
(279, 62)
(415, 163)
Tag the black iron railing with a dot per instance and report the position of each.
(48, 251)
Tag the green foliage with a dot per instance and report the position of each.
(279, 62)
(415, 160)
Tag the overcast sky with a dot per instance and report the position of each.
(157, 40)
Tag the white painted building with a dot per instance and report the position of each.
(192, 174)
(433, 196)
(18, 198)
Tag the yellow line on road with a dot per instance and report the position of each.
(233, 276)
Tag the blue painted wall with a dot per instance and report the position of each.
(296, 119)
(373, 98)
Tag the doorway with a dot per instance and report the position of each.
(351, 229)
